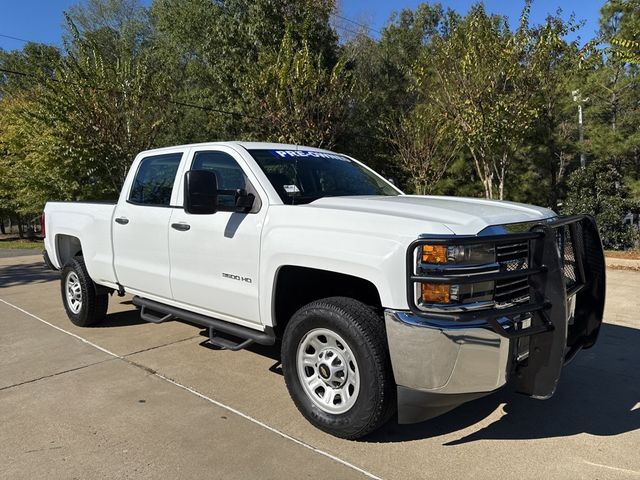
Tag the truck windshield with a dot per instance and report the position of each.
(302, 176)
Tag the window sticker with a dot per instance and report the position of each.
(307, 153)
(291, 189)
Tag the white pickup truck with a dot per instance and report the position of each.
(383, 302)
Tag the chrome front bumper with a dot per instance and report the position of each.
(438, 364)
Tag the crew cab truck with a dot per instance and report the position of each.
(382, 301)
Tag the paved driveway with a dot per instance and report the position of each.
(128, 399)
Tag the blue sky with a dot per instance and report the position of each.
(375, 13)
(41, 20)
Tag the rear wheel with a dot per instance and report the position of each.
(84, 306)
(336, 367)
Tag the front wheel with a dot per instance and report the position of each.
(336, 367)
(84, 306)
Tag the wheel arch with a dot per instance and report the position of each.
(67, 247)
(296, 286)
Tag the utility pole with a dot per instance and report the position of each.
(577, 97)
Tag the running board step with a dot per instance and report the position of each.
(167, 312)
(149, 317)
(226, 343)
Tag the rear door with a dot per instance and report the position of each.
(215, 258)
(141, 223)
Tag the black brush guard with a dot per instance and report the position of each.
(559, 328)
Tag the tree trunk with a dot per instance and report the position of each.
(2, 230)
(20, 227)
(614, 111)
(488, 181)
(553, 194)
(553, 172)
(502, 174)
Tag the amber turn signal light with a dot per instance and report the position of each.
(435, 293)
(434, 254)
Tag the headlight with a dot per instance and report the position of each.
(434, 253)
(458, 257)
(459, 254)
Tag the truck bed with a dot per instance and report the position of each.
(91, 222)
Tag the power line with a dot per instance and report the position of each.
(174, 102)
(17, 38)
(335, 15)
(191, 105)
(344, 29)
(341, 27)
(346, 19)
(22, 74)
(211, 109)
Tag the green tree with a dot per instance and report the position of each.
(620, 28)
(599, 190)
(30, 174)
(482, 84)
(552, 148)
(30, 66)
(612, 113)
(295, 98)
(104, 110)
(424, 148)
(71, 134)
(210, 48)
(383, 85)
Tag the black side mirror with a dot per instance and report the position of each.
(244, 201)
(200, 192)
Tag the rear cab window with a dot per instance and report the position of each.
(154, 180)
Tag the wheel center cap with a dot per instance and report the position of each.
(324, 371)
(332, 368)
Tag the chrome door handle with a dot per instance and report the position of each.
(182, 227)
(122, 220)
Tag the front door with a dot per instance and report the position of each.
(141, 221)
(215, 258)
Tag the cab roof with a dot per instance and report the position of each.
(247, 145)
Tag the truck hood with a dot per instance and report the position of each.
(463, 216)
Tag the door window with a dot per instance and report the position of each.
(229, 174)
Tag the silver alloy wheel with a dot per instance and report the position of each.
(328, 371)
(74, 292)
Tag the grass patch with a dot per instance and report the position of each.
(22, 244)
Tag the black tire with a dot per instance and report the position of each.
(92, 307)
(363, 331)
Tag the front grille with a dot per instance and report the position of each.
(510, 257)
(516, 257)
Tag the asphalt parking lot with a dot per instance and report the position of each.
(127, 399)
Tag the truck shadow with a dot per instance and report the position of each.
(598, 394)
(26, 274)
(120, 319)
